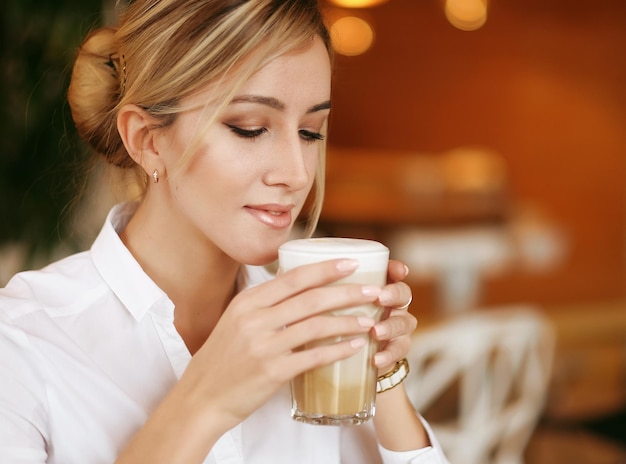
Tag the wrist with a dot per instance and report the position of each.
(397, 424)
(394, 377)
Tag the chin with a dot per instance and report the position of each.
(260, 250)
(260, 259)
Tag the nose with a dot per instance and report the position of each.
(292, 164)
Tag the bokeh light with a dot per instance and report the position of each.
(467, 15)
(351, 36)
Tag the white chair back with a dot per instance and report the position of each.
(495, 364)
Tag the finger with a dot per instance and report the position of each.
(395, 295)
(392, 352)
(320, 330)
(325, 354)
(399, 323)
(301, 278)
(396, 271)
(323, 299)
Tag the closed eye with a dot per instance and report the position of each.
(246, 133)
(309, 136)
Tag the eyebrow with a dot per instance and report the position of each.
(276, 103)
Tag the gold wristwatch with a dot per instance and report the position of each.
(394, 377)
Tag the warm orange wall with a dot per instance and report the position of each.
(543, 83)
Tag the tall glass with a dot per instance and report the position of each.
(345, 391)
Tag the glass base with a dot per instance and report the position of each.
(323, 419)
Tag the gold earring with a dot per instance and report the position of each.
(155, 176)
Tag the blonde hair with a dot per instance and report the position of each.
(166, 50)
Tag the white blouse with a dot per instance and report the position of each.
(88, 348)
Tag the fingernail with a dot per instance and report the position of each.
(366, 322)
(370, 290)
(406, 270)
(347, 265)
(381, 330)
(380, 359)
(357, 342)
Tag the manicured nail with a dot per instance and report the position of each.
(366, 322)
(347, 265)
(357, 342)
(370, 290)
(381, 359)
(381, 330)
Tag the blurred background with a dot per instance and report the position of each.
(483, 141)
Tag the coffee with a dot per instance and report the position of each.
(345, 391)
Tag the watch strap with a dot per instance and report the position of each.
(394, 377)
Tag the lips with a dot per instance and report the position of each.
(273, 215)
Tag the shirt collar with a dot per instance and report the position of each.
(120, 270)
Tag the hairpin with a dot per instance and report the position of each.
(123, 74)
(115, 67)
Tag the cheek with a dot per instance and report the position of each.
(312, 166)
(308, 194)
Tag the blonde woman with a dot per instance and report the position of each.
(167, 341)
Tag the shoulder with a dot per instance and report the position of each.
(55, 288)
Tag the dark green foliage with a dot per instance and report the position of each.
(40, 156)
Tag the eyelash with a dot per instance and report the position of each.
(310, 137)
(307, 136)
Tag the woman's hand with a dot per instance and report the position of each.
(394, 332)
(255, 347)
(397, 425)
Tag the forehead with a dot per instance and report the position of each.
(304, 72)
(301, 75)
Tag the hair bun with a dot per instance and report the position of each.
(94, 94)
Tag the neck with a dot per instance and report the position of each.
(196, 275)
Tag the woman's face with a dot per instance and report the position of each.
(249, 177)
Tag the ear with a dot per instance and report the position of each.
(134, 124)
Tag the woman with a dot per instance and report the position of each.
(168, 341)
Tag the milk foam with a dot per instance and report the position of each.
(372, 256)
